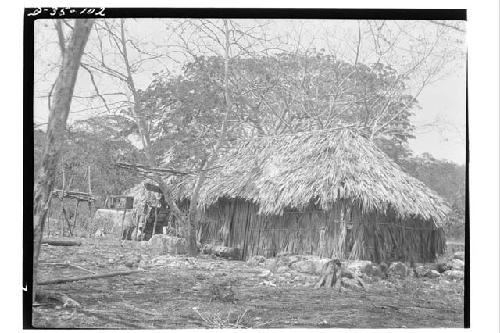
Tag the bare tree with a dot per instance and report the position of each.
(63, 92)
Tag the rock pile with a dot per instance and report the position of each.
(165, 244)
(297, 267)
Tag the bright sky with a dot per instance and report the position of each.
(440, 122)
(444, 103)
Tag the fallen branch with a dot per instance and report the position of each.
(65, 264)
(87, 277)
(54, 242)
(65, 300)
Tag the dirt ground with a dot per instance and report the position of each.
(206, 292)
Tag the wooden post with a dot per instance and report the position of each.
(123, 219)
(62, 199)
(76, 214)
(48, 218)
(88, 178)
(154, 224)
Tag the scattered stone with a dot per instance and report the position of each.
(222, 251)
(351, 283)
(268, 283)
(255, 260)
(304, 267)
(265, 273)
(139, 283)
(293, 259)
(398, 269)
(443, 267)
(161, 260)
(421, 271)
(432, 274)
(164, 244)
(143, 244)
(271, 264)
(358, 266)
(282, 269)
(318, 264)
(459, 255)
(457, 264)
(374, 271)
(454, 274)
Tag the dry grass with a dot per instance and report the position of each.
(164, 297)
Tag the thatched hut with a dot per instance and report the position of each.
(332, 194)
(150, 211)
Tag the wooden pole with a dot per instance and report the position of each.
(123, 219)
(76, 214)
(156, 219)
(88, 178)
(87, 277)
(48, 218)
(62, 199)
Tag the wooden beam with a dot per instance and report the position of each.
(86, 277)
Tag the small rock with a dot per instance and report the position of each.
(318, 264)
(432, 274)
(271, 264)
(374, 270)
(160, 260)
(99, 233)
(255, 260)
(265, 273)
(459, 255)
(268, 283)
(293, 259)
(304, 267)
(282, 269)
(359, 266)
(139, 283)
(397, 269)
(351, 283)
(457, 264)
(443, 267)
(454, 274)
(421, 271)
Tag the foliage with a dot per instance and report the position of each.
(444, 177)
(283, 93)
(89, 146)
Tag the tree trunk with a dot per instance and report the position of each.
(59, 111)
(192, 222)
(331, 275)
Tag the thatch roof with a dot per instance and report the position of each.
(143, 197)
(293, 171)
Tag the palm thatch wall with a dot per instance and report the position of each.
(341, 232)
(293, 193)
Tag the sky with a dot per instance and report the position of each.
(445, 103)
(439, 122)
